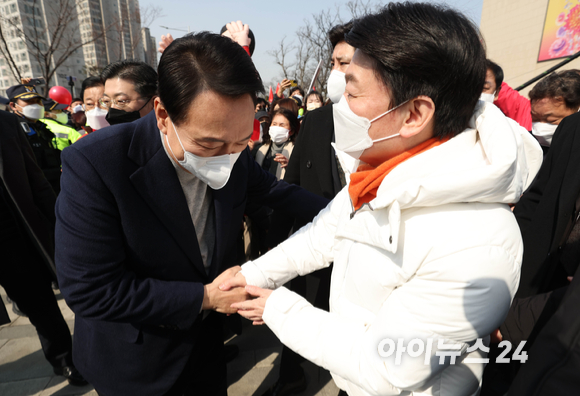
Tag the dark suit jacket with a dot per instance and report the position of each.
(554, 358)
(127, 255)
(546, 209)
(310, 166)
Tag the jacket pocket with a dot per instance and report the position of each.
(127, 332)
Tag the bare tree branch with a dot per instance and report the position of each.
(280, 55)
(149, 14)
(5, 51)
(51, 47)
(299, 61)
(146, 15)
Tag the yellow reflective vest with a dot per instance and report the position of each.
(64, 135)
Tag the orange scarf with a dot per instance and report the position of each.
(365, 182)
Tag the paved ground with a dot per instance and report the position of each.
(24, 371)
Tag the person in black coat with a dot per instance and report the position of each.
(547, 214)
(26, 241)
(149, 217)
(26, 103)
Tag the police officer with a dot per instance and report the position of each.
(56, 121)
(26, 103)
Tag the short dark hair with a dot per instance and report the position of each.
(337, 33)
(142, 75)
(285, 103)
(497, 73)
(297, 88)
(564, 84)
(315, 93)
(263, 101)
(292, 120)
(90, 82)
(204, 62)
(426, 49)
(250, 35)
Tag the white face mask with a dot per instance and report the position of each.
(487, 97)
(213, 171)
(352, 131)
(543, 132)
(62, 118)
(33, 111)
(336, 85)
(96, 118)
(278, 134)
(299, 97)
(313, 106)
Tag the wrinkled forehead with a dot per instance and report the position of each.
(546, 105)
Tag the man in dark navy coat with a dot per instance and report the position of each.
(148, 218)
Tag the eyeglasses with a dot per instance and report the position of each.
(106, 102)
(89, 107)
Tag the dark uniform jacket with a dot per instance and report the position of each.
(24, 189)
(44, 147)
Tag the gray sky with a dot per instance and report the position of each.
(270, 21)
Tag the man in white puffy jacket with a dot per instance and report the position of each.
(426, 251)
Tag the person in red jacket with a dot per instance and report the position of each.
(513, 104)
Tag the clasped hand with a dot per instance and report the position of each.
(251, 308)
(220, 300)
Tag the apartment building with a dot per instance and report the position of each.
(110, 29)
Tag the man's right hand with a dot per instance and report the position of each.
(285, 84)
(220, 299)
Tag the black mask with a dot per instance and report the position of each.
(116, 116)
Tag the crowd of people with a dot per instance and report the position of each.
(437, 207)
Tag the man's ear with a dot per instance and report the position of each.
(419, 116)
(163, 121)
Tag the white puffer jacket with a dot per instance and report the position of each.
(435, 256)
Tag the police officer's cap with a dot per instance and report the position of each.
(50, 105)
(23, 92)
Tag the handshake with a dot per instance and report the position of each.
(229, 293)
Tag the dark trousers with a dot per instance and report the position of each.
(205, 373)
(26, 279)
(290, 361)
